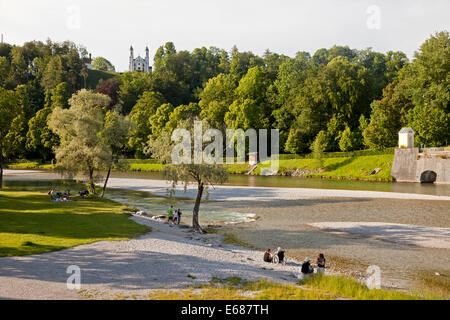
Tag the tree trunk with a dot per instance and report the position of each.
(195, 224)
(106, 181)
(91, 181)
(1, 174)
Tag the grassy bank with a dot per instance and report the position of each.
(337, 165)
(350, 167)
(234, 288)
(30, 223)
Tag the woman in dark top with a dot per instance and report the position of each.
(267, 256)
(306, 266)
(321, 261)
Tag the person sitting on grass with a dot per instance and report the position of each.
(170, 216)
(268, 256)
(306, 266)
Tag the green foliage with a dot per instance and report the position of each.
(141, 113)
(427, 84)
(132, 86)
(216, 98)
(318, 147)
(202, 175)
(347, 140)
(102, 64)
(82, 149)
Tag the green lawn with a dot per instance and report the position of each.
(30, 223)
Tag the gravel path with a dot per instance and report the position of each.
(162, 259)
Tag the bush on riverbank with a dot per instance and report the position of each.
(30, 223)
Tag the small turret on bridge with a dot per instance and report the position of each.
(411, 165)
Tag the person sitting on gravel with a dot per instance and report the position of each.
(170, 216)
(280, 254)
(306, 266)
(268, 256)
(321, 263)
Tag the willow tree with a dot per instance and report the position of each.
(114, 135)
(201, 172)
(82, 150)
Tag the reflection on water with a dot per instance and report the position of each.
(209, 212)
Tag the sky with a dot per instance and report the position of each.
(108, 28)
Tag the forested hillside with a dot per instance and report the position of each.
(351, 99)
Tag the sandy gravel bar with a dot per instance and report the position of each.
(422, 236)
(162, 259)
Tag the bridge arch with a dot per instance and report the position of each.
(428, 177)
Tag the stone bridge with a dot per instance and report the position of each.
(431, 165)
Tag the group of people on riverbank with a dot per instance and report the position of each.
(59, 196)
(306, 268)
(174, 216)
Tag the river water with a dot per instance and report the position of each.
(211, 211)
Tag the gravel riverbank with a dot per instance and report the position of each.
(166, 258)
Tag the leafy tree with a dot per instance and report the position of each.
(347, 140)
(145, 107)
(180, 113)
(427, 84)
(202, 175)
(216, 98)
(82, 149)
(114, 135)
(5, 69)
(40, 137)
(60, 95)
(159, 119)
(9, 110)
(53, 74)
(431, 123)
(109, 87)
(100, 63)
(132, 86)
(318, 147)
(388, 116)
(250, 109)
(241, 62)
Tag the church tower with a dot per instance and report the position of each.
(131, 66)
(147, 60)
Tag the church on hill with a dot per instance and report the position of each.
(139, 64)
